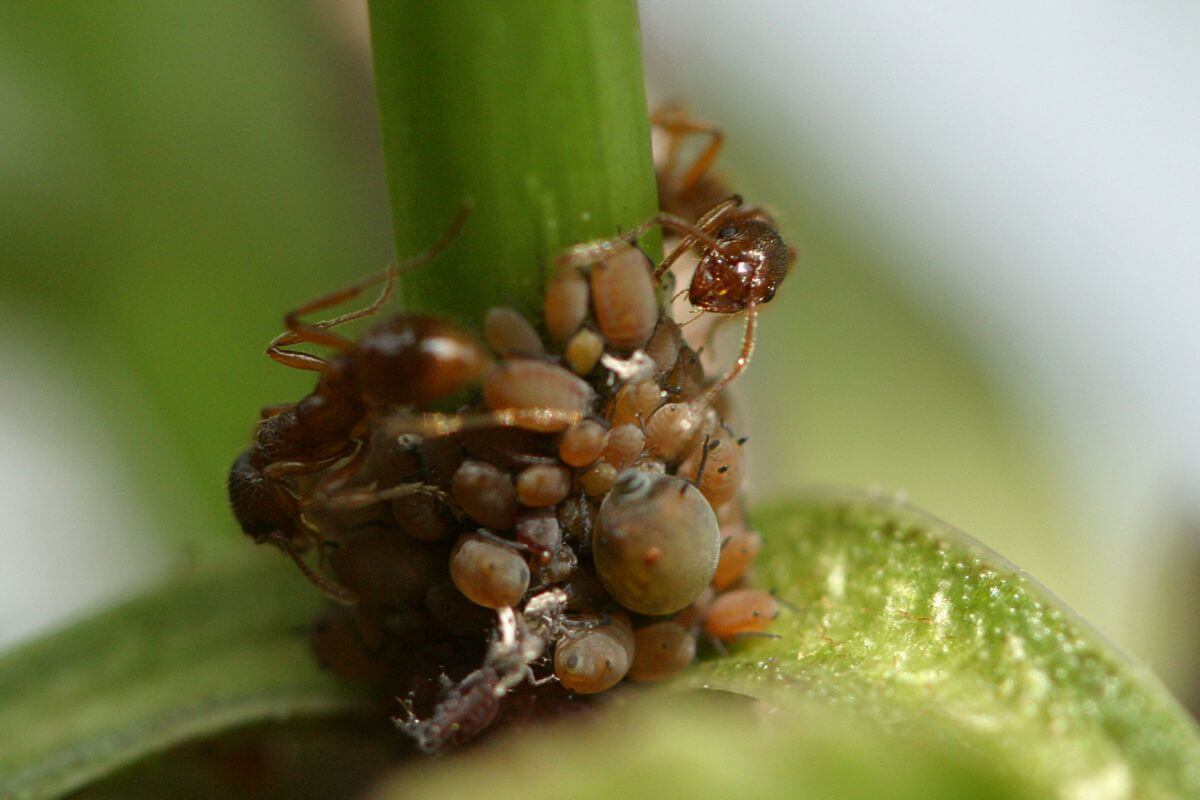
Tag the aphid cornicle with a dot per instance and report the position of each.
(656, 542)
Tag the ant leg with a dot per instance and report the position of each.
(708, 221)
(319, 332)
(285, 469)
(678, 125)
(743, 360)
(338, 478)
(600, 249)
(434, 425)
(334, 591)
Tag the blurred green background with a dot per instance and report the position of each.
(173, 177)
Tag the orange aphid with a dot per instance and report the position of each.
(740, 612)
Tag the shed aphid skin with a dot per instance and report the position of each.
(565, 498)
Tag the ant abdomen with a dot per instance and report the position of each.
(416, 359)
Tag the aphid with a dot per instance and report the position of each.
(538, 529)
(598, 479)
(596, 658)
(625, 444)
(422, 515)
(435, 358)
(664, 346)
(676, 428)
(583, 351)
(486, 494)
(656, 542)
(738, 551)
(623, 297)
(533, 386)
(661, 650)
(740, 612)
(582, 443)
(468, 707)
(543, 485)
(508, 333)
(489, 573)
(635, 402)
(566, 304)
(724, 467)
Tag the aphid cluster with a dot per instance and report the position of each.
(564, 503)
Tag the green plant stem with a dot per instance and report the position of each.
(535, 113)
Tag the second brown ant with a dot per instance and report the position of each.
(405, 360)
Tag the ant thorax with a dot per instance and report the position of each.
(542, 511)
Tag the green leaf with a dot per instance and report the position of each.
(688, 748)
(901, 618)
(209, 653)
(535, 112)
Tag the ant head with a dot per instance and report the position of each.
(751, 263)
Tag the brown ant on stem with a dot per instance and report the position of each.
(407, 359)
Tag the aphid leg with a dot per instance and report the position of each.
(484, 533)
(535, 681)
(334, 591)
(704, 450)
(755, 635)
(743, 360)
(678, 126)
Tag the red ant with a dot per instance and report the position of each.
(407, 359)
(743, 259)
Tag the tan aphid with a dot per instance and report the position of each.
(508, 333)
(635, 402)
(525, 384)
(598, 479)
(661, 650)
(486, 493)
(723, 469)
(656, 542)
(487, 572)
(582, 443)
(663, 346)
(543, 485)
(625, 444)
(566, 304)
(595, 659)
(624, 299)
(583, 351)
(740, 612)
(675, 429)
(739, 548)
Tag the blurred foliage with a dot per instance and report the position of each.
(174, 178)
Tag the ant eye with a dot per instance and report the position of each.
(728, 232)
(769, 295)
